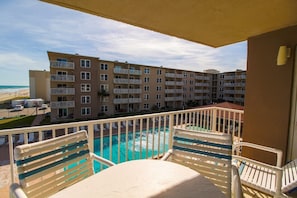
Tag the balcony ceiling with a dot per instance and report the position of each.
(210, 22)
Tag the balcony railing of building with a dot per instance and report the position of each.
(126, 91)
(173, 91)
(62, 104)
(202, 84)
(127, 71)
(62, 64)
(63, 78)
(168, 99)
(126, 81)
(62, 91)
(143, 136)
(126, 100)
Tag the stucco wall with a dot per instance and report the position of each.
(268, 91)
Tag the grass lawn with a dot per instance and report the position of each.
(16, 122)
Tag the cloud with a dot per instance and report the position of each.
(30, 28)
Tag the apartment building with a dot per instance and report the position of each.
(84, 87)
(231, 86)
(39, 84)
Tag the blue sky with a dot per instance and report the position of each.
(30, 28)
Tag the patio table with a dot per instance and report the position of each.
(144, 178)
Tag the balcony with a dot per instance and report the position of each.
(169, 99)
(62, 91)
(61, 65)
(62, 78)
(62, 104)
(126, 100)
(168, 91)
(127, 71)
(126, 91)
(127, 81)
(120, 71)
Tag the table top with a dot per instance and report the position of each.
(143, 178)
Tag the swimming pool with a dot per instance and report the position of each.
(147, 144)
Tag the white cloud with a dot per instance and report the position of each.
(45, 27)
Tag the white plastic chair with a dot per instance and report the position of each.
(210, 154)
(47, 167)
(275, 180)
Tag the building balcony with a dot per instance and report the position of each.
(202, 84)
(127, 81)
(169, 82)
(126, 100)
(62, 104)
(62, 91)
(126, 91)
(120, 71)
(61, 65)
(169, 99)
(127, 71)
(62, 78)
(168, 91)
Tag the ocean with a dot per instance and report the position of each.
(12, 88)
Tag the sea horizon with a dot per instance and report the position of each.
(12, 88)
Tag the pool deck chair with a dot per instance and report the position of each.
(275, 180)
(208, 153)
(47, 167)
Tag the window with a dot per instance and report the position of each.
(85, 63)
(85, 75)
(158, 96)
(86, 99)
(103, 77)
(158, 105)
(103, 66)
(146, 88)
(85, 111)
(104, 87)
(158, 88)
(146, 96)
(63, 112)
(85, 87)
(104, 108)
(159, 80)
(146, 106)
(146, 70)
(159, 72)
(146, 79)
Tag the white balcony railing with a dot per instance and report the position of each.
(62, 104)
(63, 78)
(126, 81)
(143, 136)
(62, 64)
(126, 91)
(62, 91)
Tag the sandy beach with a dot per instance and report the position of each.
(10, 95)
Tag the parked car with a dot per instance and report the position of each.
(18, 108)
(43, 107)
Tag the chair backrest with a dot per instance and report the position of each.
(46, 167)
(206, 152)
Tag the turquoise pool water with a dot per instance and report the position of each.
(146, 145)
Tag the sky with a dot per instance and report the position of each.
(30, 28)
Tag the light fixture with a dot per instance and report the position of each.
(284, 53)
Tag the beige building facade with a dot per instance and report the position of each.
(39, 84)
(84, 87)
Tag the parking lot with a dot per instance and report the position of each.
(8, 113)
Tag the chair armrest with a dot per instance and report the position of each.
(15, 191)
(102, 160)
(278, 152)
(236, 183)
(167, 155)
